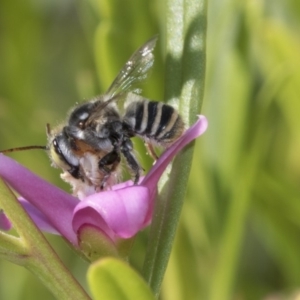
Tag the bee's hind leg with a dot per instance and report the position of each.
(108, 164)
(133, 164)
(151, 150)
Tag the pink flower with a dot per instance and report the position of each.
(119, 213)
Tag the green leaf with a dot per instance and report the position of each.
(110, 279)
(185, 68)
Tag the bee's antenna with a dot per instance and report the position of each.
(24, 148)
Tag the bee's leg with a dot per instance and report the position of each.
(108, 164)
(127, 150)
(76, 173)
(151, 151)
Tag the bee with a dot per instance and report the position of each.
(88, 148)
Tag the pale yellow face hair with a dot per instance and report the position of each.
(57, 161)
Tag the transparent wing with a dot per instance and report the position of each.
(135, 69)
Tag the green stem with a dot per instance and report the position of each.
(33, 251)
(11, 247)
(185, 64)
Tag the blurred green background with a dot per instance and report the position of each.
(239, 235)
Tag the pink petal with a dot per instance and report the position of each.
(122, 185)
(4, 222)
(127, 209)
(54, 203)
(40, 220)
(119, 213)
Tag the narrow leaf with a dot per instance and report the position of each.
(110, 279)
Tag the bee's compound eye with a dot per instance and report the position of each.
(57, 155)
(56, 147)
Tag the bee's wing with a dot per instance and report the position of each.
(135, 69)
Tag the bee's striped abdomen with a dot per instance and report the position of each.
(154, 120)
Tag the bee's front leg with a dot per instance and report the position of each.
(76, 173)
(107, 164)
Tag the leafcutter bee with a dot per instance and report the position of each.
(89, 146)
